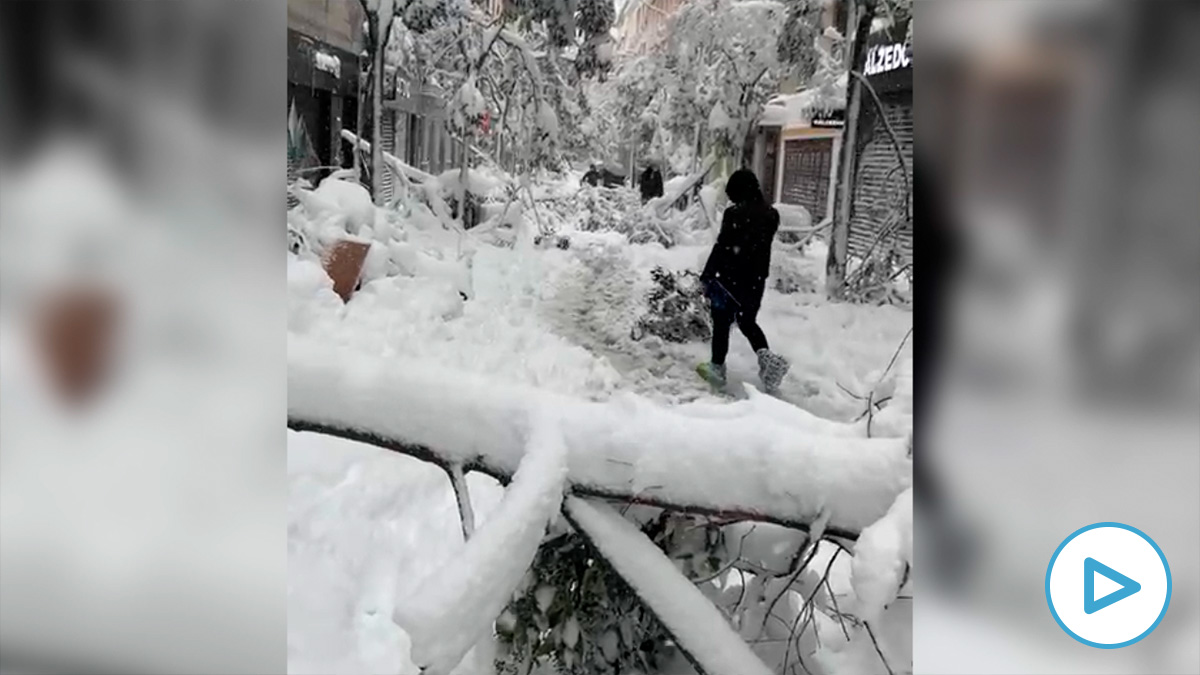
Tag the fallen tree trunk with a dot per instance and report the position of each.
(427, 454)
(750, 466)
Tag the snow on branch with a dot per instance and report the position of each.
(883, 554)
(429, 182)
(457, 605)
(697, 625)
(409, 171)
(754, 466)
(660, 204)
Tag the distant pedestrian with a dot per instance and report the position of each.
(592, 177)
(651, 183)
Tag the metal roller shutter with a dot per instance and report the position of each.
(806, 165)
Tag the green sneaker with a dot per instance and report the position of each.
(712, 373)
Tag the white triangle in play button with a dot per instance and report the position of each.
(1105, 586)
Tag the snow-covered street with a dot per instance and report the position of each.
(518, 440)
(549, 319)
(367, 526)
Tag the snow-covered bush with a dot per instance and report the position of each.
(789, 276)
(605, 209)
(578, 614)
(620, 210)
(575, 612)
(676, 308)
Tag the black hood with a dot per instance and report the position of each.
(743, 188)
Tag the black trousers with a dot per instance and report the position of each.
(723, 320)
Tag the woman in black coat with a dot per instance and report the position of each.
(736, 276)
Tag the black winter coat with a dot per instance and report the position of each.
(741, 258)
(651, 184)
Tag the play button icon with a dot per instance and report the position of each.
(1114, 603)
(1092, 567)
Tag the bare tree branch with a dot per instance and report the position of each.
(813, 546)
(808, 604)
(465, 511)
(877, 649)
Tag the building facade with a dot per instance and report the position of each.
(324, 43)
(642, 24)
(799, 139)
(799, 147)
(799, 135)
(879, 188)
(414, 130)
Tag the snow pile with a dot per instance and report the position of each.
(837, 350)
(422, 301)
(762, 405)
(500, 332)
(455, 607)
(793, 217)
(413, 262)
(342, 210)
(882, 558)
(311, 299)
(340, 196)
(697, 625)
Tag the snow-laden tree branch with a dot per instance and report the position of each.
(754, 463)
(698, 627)
(409, 171)
(457, 604)
(660, 204)
(428, 182)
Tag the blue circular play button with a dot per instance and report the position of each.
(1108, 585)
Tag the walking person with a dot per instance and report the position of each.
(735, 277)
(651, 183)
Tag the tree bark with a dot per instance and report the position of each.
(379, 40)
(361, 121)
(466, 511)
